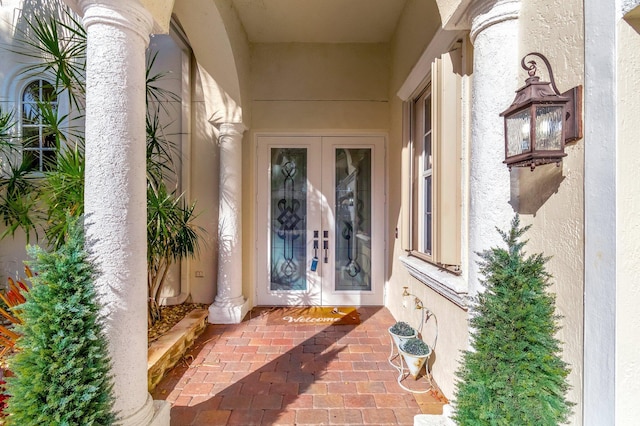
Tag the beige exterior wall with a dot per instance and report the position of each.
(12, 255)
(225, 58)
(551, 198)
(450, 10)
(414, 33)
(319, 86)
(161, 12)
(310, 88)
(628, 229)
(204, 186)
(241, 51)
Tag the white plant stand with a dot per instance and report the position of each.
(401, 365)
(395, 351)
(395, 341)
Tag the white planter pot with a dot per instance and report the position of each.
(414, 362)
(398, 340)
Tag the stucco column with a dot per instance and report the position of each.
(494, 34)
(230, 306)
(115, 194)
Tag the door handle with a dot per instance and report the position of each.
(325, 246)
(315, 243)
(314, 261)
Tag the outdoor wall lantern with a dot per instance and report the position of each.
(540, 120)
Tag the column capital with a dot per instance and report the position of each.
(483, 14)
(127, 14)
(476, 15)
(230, 130)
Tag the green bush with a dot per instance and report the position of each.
(61, 365)
(513, 375)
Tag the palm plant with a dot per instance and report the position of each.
(38, 203)
(58, 47)
(171, 236)
(63, 193)
(18, 198)
(7, 122)
(171, 231)
(55, 47)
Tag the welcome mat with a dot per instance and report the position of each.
(312, 315)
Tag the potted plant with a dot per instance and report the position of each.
(415, 352)
(401, 331)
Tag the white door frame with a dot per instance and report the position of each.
(377, 142)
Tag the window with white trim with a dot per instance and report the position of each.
(39, 104)
(423, 184)
(435, 199)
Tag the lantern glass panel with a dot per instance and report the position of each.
(518, 133)
(549, 128)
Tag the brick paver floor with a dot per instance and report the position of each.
(254, 373)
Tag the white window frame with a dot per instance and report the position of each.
(41, 127)
(423, 173)
(436, 268)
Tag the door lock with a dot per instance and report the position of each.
(314, 261)
(325, 246)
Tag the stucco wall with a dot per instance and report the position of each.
(312, 88)
(12, 256)
(204, 178)
(319, 86)
(551, 198)
(221, 50)
(628, 225)
(169, 60)
(415, 31)
(12, 250)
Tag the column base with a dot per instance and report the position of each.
(443, 419)
(228, 314)
(161, 413)
(153, 413)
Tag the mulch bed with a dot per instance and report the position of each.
(170, 316)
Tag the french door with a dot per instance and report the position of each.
(320, 220)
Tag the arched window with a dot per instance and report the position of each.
(39, 107)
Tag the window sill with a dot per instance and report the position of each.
(450, 286)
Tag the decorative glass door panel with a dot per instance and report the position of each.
(288, 215)
(319, 219)
(353, 219)
(288, 255)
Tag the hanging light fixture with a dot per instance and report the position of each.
(540, 120)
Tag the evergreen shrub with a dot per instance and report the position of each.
(513, 374)
(61, 367)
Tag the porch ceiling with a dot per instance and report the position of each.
(319, 21)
